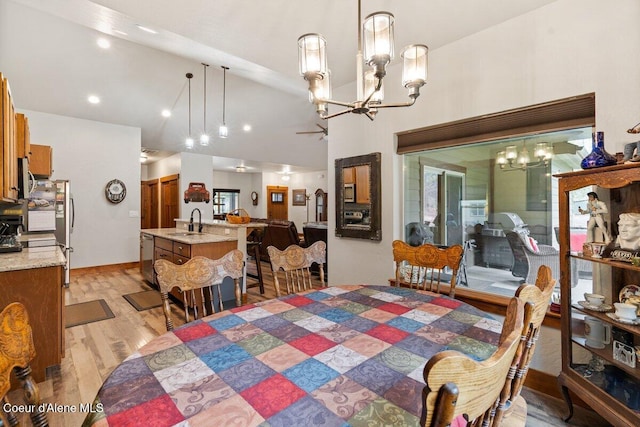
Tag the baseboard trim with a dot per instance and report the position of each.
(108, 267)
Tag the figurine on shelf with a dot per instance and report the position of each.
(596, 209)
(629, 231)
(629, 148)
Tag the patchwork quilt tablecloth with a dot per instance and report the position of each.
(339, 356)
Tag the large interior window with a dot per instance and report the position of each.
(463, 195)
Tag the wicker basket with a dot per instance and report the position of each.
(238, 216)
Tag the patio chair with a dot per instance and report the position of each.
(526, 262)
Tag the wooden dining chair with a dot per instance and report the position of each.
(16, 351)
(195, 280)
(458, 386)
(424, 264)
(296, 262)
(539, 295)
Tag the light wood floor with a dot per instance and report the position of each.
(95, 349)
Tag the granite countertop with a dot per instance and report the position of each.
(48, 256)
(221, 223)
(183, 236)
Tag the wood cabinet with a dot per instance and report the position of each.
(8, 151)
(363, 184)
(360, 176)
(23, 137)
(349, 175)
(594, 369)
(41, 162)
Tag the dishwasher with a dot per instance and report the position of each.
(146, 257)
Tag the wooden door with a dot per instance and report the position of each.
(277, 202)
(169, 201)
(149, 204)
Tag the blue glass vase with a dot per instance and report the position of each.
(598, 156)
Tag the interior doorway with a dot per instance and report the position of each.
(277, 202)
(149, 209)
(169, 200)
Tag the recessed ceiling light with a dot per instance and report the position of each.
(166, 113)
(246, 128)
(93, 99)
(104, 43)
(148, 30)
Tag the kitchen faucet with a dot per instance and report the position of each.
(199, 220)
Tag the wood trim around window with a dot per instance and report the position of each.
(561, 114)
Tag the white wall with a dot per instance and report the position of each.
(567, 48)
(198, 168)
(90, 154)
(309, 181)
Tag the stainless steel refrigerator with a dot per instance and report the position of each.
(50, 209)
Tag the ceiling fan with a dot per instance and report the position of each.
(324, 130)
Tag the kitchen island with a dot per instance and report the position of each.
(35, 278)
(178, 245)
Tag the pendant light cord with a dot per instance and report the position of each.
(224, 93)
(189, 76)
(204, 118)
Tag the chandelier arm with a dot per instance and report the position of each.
(378, 86)
(401, 104)
(333, 102)
(330, 116)
(369, 115)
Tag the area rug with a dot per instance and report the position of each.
(144, 300)
(86, 312)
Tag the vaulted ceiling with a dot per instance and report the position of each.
(49, 53)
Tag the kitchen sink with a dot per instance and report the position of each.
(184, 233)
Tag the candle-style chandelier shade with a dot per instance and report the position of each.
(376, 39)
(223, 131)
(189, 141)
(511, 159)
(204, 138)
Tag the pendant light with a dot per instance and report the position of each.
(204, 138)
(223, 132)
(189, 141)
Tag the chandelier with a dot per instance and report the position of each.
(510, 159)
(377, 35)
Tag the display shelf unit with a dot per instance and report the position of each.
(609, 386)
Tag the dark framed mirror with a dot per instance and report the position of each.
(358, 194)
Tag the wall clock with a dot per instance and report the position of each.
(254, 198)
(115, 191)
